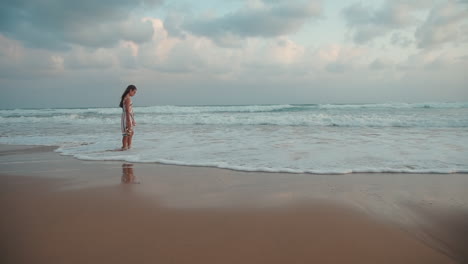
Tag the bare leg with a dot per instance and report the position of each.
(129, 140)
(124, 142)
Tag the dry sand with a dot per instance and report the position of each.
(57, 209)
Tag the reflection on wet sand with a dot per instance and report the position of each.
(127, 174)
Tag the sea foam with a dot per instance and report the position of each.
(320, 139)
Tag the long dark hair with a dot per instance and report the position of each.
(131, 87)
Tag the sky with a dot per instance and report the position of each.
(67, 53)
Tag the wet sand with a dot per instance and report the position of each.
(57, 209)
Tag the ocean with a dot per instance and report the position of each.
(315, 138)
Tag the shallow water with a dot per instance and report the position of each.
(322, 139)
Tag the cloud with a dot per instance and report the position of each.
(80, 59)
(199, 55)
(380, 64)
(266, 19)
(432, 59)
(337, 58)
(337, 67)
(400, 39)
(58, 24)
(367, 23)
(285, 51)
(165, 53)
(173, 23)
(445, 23)
(18, 62)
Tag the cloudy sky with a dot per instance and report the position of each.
(67, 53)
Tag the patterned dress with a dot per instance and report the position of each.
(127, 128)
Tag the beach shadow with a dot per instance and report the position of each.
(128, 176)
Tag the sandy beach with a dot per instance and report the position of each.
(57, 209)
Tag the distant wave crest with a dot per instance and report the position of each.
(325, 115)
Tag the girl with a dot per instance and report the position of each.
(128, 121)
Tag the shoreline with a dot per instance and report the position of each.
(53, 148)
(245, 197)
